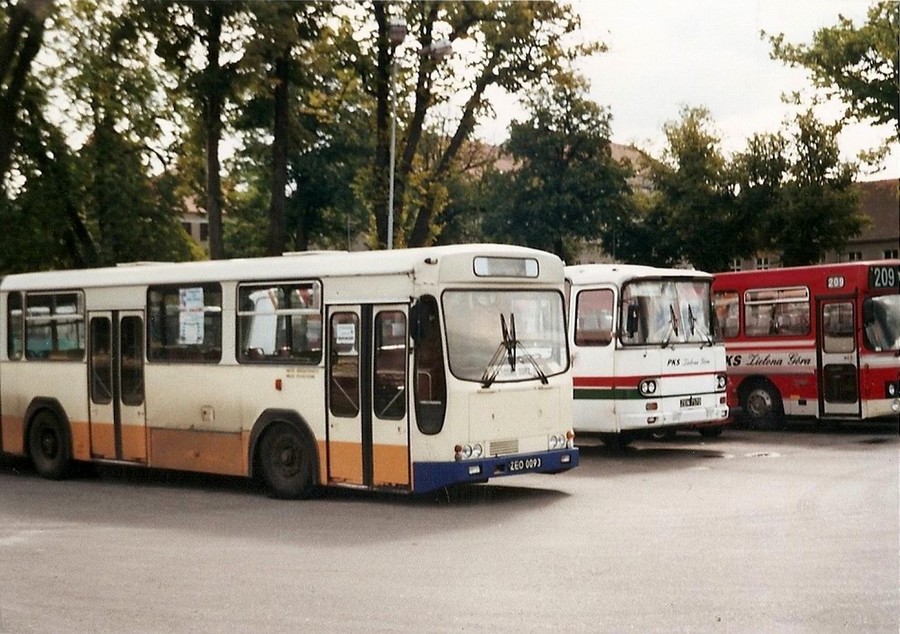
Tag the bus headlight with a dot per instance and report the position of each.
(721, 382)
(647, 387)
(891, 389)
(469, 451)
(557, 441)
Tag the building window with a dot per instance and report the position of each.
(854, 256)
(187, 228)
(762, 264)
(204, 231)
(736, 264)
(891, 254)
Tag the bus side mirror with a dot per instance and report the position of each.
(631, 321)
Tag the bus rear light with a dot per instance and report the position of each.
(652, 407)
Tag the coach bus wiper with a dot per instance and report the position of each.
(673, 326)
(534, 363)
(507, 345)
(693, 322)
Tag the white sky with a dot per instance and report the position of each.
(665, 54)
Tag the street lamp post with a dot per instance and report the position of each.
(396, 35)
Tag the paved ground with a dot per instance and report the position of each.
(754, 531)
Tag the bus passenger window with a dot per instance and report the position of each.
(101, 361)
(727, 313)
(15, 324)
(430, 378)
(54, 326)
(185, 323)
(280, 323)
(389, 398)
(837, 328)
(343, 392)
(594, 318)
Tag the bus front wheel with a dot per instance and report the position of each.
(49, 446)
(763, 408)
(286, 461)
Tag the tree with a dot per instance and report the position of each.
(211, 32)
(694, 196)
(516, 44)
(859, 66)
(20, 41)
(818, 207)
(566, 185)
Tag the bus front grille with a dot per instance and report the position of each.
(502, 447)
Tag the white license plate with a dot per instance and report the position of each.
(523, 464)
(691, 401)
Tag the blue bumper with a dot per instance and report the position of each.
(428, 476)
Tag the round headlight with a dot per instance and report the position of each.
(647, 387)
(467, 451)
(477, 450)
(721, 381)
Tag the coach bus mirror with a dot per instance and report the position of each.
(631, 321)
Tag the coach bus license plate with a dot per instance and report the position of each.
(691, 401)
(523, 464)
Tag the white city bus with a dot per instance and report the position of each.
(406, 370)
(644, 356)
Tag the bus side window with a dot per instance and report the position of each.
(14, 323)
(727, 310)
(594, 318)
(430, 379)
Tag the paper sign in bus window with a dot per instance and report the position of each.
(190, 316)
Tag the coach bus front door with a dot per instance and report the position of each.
(838, 359)
(116, 386)
(368, 418)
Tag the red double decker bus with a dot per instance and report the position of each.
(818, 341)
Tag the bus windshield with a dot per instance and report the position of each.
(503, 336)
(881, 316)
(667, 311)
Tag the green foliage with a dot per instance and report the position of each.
(858, 65)
(566, 185)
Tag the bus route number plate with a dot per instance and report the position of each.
(691, 401)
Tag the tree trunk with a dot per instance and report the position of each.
(214, 104)
(24, 35)
(276, 237)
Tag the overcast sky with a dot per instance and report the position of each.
(664, 54)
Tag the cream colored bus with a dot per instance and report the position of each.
(407, 370)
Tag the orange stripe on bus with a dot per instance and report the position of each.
(210, 452)
(391, 465)
(345, 462)
(81, 440)
(13, 428)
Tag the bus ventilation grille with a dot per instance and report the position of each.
(502, 447)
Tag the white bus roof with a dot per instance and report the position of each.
(620, 273)
(303, 265)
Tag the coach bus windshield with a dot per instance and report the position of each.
(881, 318)
(502, 335)
(663, 312)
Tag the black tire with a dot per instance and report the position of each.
(616, 442)
(762, 407)
(49, 446)
(286, 459)
(710, 432)
(664, 433)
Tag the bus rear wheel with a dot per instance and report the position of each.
(49, 446)
(286, 461)
(763, 408)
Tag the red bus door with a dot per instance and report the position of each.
(838, 359)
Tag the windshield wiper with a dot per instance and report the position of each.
(673, 326)
(509, 344)
(693, 321)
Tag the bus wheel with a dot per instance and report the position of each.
(286, 462)
(49, 446)
(763, 406)
(664, 433)
(616, 442)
